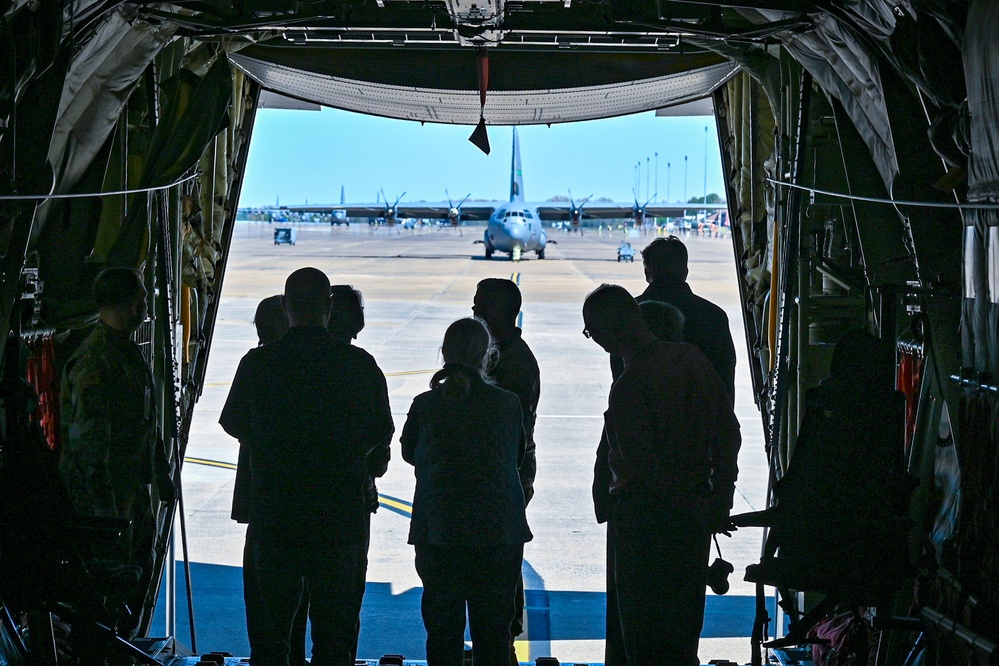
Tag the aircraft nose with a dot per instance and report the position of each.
(518, 232)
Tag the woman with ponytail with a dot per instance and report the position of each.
(465, 438)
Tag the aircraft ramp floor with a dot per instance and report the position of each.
(415, 282)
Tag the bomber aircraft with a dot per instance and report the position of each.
(514, 227)
(860, 145)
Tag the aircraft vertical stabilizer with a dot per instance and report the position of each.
(516, 175)
(343, 199)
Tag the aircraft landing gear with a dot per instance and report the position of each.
(541, 253)
(489, 251)
(515, 255)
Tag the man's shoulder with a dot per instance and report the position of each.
(517, 352)
(708, 307)
(96, 352)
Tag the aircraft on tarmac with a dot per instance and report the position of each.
(515, 227)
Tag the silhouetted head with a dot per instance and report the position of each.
(270, 320)
(120, 295)
(497, 302)
(468, 346)
(665, 258)
(664, 320)
(613, 319)
(346, 312)
(307, 297)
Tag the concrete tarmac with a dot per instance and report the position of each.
(415, 283)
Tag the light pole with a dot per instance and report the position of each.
(705, 201)
(647, 174)
(684, 179)
(667, 182)
(656, 193)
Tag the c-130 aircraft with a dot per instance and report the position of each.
(860, 143)
(514, 227)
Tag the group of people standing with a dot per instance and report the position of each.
(311, 413)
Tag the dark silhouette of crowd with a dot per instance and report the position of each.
(311, 413)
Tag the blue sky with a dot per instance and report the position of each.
(305, 156)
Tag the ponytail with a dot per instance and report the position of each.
(467, 348)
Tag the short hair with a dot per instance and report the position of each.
(503, 294)
(666, 257)
(347, 311)
(270, 320)
(615, 307)
(118, 287)
(664, 320)
(307, 290)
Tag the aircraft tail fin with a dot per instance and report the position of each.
(516, 175)
(343, 199)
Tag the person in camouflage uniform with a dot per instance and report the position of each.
(111, 456)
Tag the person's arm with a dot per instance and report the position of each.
(410, 435)
(243, 486)
(727, 359)
(603, 501)
(632, 433)
(239, 410)
(381, 425)
(724, 454)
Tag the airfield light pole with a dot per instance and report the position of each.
(667, 181)
(656, 193)
(647, 174)
(684, 179)
(705, 200)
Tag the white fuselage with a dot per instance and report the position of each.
(515, 225)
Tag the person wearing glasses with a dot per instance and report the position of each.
(672, 449)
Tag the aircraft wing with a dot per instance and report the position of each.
(474, 210)
(559, 210)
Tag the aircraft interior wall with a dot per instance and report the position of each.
(834, 133)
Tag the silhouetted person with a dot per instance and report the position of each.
(666, 323)
(311, 409)
(466, 438)
(706, 326)
(346, 321)
(497, 302)
(112, 462)
(271, 325)
(673, 443)
(832, 519)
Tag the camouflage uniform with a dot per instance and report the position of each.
(110, 457)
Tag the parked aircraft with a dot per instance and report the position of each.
(515, 227)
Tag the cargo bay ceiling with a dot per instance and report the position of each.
(546, 62)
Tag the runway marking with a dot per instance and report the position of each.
(411, 372)
(210, 463)
(396, 505)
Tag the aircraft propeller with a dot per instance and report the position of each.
(576, 212)
(391, 211)
(454, 211)
(638, 210)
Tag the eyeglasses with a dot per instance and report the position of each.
(586, 333)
